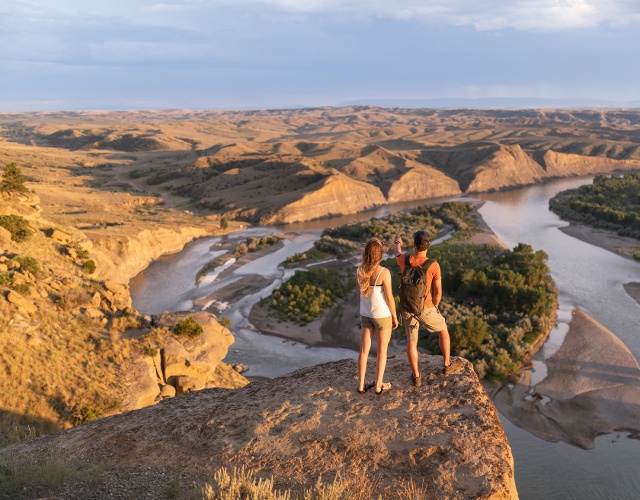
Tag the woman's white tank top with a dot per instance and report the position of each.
(375, 306)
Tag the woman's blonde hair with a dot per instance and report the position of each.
(371, 257)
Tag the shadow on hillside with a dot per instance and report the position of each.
(15, 428)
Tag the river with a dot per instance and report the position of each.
(587, 277)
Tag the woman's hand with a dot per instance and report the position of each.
(394, 322)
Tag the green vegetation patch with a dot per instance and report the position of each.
(188, 327)
(89, 267)
(610, 203)
(497, 303)
(312, 255)
(12, 179)
(211, 265)
(307, 293)
(30, 264)
(341, 240)
(17, 226)
(253, 244)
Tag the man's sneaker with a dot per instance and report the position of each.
(447, 370)
(417, 381)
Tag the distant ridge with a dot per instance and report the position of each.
(492, 102)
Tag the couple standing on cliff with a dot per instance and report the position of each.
(378, 308)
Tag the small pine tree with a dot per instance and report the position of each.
(12, 179)
(224, 222)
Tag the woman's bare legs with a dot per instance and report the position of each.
(366, 337)
(383, 338)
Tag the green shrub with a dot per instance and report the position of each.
(17, 226)
(636, 253)
(12, 179)
(188, 327)
(224, 222)
(22, 288)
(469, 334)
(30, 264)
(5, 279)
(89, 267)
(241, 249)
(85, 413)
(150, 351)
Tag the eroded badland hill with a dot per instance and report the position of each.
(295, 165)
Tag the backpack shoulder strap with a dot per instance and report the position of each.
(429, 262)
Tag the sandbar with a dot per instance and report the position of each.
(602, 238)
(592, 387)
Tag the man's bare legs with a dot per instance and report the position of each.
(444, 342)
(366, 337)
(412, 355)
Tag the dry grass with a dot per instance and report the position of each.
(242, 483)
(58, 369)
(19, 473)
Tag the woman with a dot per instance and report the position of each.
(377, 313)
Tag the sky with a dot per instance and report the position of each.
(229, 54)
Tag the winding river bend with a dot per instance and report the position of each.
(587, 276)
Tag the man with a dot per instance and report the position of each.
(430, 318)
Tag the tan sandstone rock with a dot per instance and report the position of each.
(196, 357)
(20, 301)
(168, 391)
(184, 384)
(144, 389)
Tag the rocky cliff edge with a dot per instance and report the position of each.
(443, 438)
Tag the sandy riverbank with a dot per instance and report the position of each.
(592, 387)
(608, 240)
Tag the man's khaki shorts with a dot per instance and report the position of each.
(430, 318)
(376, 323)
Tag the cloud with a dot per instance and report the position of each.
(545, 15)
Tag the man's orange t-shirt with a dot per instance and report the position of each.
(433, 273)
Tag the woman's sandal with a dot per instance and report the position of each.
(386, 386)
(367, 386)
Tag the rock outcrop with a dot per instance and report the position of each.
(178, 364)
(120, 257)
(444, 438)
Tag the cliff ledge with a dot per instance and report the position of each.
(445, 437)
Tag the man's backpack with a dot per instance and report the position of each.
(413, 287)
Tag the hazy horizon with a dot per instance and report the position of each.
(247, 54)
